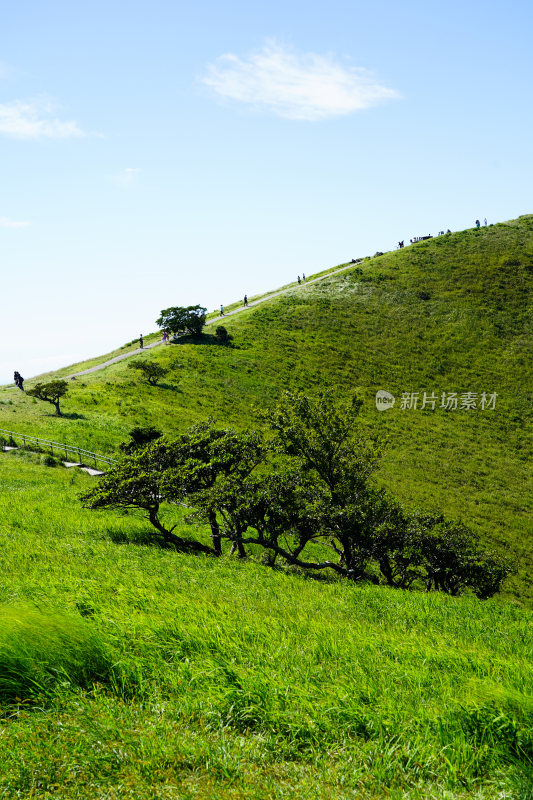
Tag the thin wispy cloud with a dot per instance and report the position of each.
(127, 177)
(304, 87)
(35, 119)
(7, 222)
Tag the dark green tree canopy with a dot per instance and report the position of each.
(50, 392)
(137, 483)
(304, 495)
(179, 319)
(172, 471)
(140, 437)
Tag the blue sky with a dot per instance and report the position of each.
(165, 153)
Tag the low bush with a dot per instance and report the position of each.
(222, 335)
(50, 461)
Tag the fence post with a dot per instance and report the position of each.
(46, 442)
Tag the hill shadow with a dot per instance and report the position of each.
(204, 339)
(171, 387)
(66, 415)
(146, 537)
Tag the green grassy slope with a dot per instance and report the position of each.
(234, 681)
(231, 680)
(364, 329)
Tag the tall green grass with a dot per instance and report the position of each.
(240, 681)
(40, 650)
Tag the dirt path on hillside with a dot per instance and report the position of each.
(209, 322)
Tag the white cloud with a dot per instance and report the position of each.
(34, 119)
(127, 177)
(306, 87)
(7, 222)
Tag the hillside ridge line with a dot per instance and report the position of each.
(209, 322)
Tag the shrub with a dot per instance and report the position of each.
(150, 370)
(222, 335)
(50, 461)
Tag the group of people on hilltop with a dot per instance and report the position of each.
(429, 236)
(441, 233)
(19, 380)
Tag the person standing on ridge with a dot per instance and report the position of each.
(299, 280)
(141, 341)
(19, 380)
(478, 223)
(303, 276)
(221, 310)
(245, 302)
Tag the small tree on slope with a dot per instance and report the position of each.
(177, 319)
(51, 392)
(150, 370)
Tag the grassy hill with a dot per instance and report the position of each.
(200, 678)
(228, 680)
(451, 314)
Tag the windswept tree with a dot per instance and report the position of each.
(50, 392)
(454, 561)
(181, 319)
(137, 483)
(205, 456)
(338, 455)
(151, 371)
(305, 496)
(166, 473)
(320, 498)
(316, 491)
(274, 511)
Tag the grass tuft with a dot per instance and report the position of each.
(41, 650)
